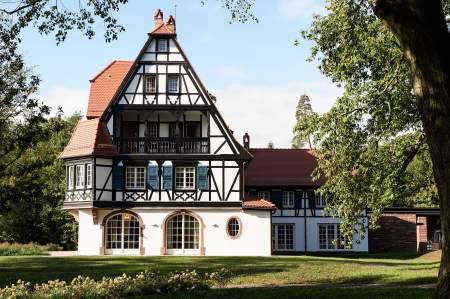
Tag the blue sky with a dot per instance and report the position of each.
(254, 69)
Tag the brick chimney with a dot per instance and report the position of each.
(158, 18)
(171, 24)
(246, 140)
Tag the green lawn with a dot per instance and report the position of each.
(360, 269)
(304, 292)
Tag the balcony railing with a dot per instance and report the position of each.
(162, 145)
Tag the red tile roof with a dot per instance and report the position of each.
(281, 167)
(258, 204)
(90, 138)
(104, 86)
(163, 29)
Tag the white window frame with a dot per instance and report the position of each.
(70, 178)
(89, 175)
(177, 80)
(79, 176)
(336, 242)
(182, 172)
(148, 88)
(288, 199)
(321, 200)
(133, 184)
(234, 229)
(275, 240)
(264, 194)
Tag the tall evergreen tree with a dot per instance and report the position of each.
(305, 120)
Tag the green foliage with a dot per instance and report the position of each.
(144, 283)
(370, 145)
(306, 119)
(270, 145)
(32, 193)
(16, 249)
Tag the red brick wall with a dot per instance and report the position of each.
(422, 237)
(397, 232)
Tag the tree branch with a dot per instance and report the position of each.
(11, 12)
(412, 153)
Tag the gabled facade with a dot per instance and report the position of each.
(155, 169)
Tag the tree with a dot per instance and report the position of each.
(33, 191)
(270, 145)
(305, 117)
(392, 58)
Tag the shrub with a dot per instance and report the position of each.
(9, 249)
(143, 283)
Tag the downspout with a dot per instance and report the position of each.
(304, 226)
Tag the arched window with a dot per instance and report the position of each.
(234, 227)
(183, 234)
(122, 233)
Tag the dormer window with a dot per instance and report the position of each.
(150, 84)
(172, 84)
(161, 45)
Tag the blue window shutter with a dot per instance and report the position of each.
(117, 177)
(153, 178)
(202, 177)
(167, 177)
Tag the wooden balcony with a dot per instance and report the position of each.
(162, 145)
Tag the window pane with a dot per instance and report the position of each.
(191, 232)
(172, 83)
(79, 176)
(89, 175)
(331, 236)
(162, 45)
(150, 84)
(175, 232)
(185, 178)
(288, 199)
(131, 177)
(114, 232)
(233, 227)
(70, 177)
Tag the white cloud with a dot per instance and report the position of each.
(300, 8)
(70, 99)
(233, 72)
(267, 112)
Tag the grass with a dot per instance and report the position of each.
(305, 292)
(363, 269)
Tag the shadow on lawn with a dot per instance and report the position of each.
(40, 269)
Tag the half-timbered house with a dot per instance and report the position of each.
(299, 224)
(155, 169)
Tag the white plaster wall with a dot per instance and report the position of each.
(255, 239)
(359, 244)
(89, 234)
(312, 233)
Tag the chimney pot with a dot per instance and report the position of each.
(158, 18)
(171, 24)
(246, 141)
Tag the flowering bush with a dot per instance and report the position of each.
(9, 249)
(143, 283)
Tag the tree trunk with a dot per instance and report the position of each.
(421, 29)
